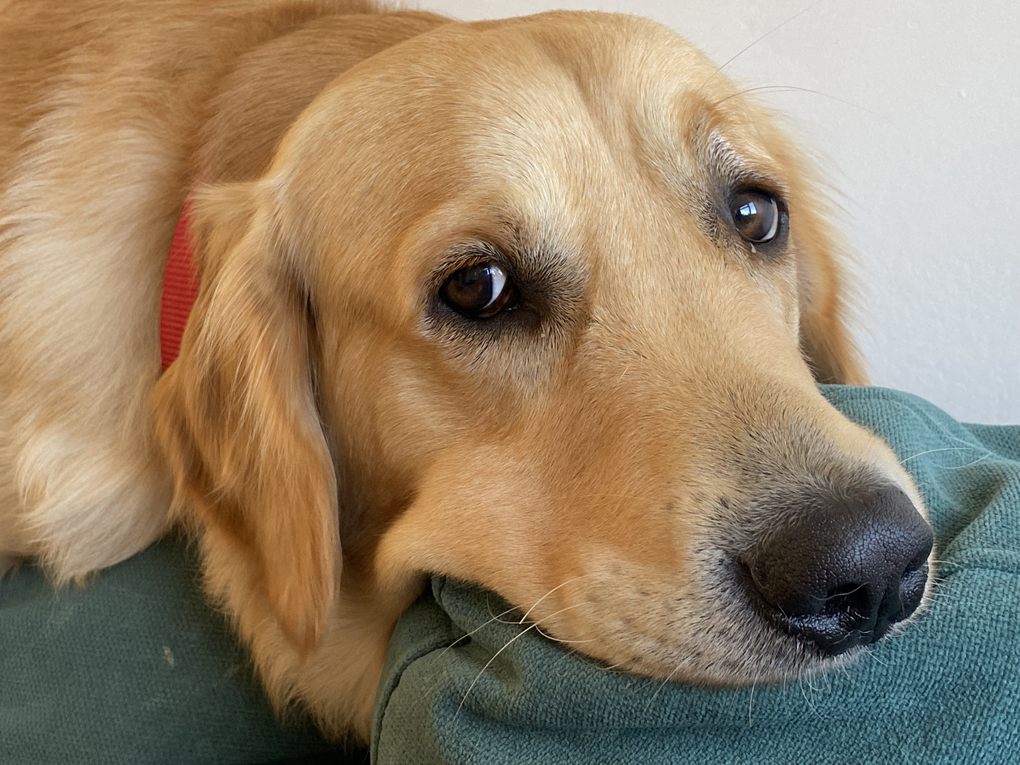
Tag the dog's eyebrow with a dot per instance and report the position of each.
(540, 261)
(543, 260)
(737, 168)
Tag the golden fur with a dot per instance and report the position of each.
(328, 432)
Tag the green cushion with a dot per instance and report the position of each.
(946, 691)
(134, 668)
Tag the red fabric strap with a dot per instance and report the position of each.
(180, 288)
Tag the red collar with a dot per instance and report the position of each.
(180, 288)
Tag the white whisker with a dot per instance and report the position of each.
(563, 584)
(506, 645)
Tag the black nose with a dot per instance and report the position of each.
(842, 570)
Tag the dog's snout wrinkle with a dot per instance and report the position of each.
(842, 570)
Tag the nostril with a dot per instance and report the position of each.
(911, 586)
(840, 572)
(846, 598)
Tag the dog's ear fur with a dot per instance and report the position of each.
(824, 297)
(824, 336)
(237, 419)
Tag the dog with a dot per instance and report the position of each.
(539, 304)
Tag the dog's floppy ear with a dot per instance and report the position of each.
(237, 418)
(823, 295)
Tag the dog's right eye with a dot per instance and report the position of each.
(756, 215)
(479, 291)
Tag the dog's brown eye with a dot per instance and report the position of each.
(479, 291)
(755, 215)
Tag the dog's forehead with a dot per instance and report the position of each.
(549, 89)
(565, 107)
(566, 84)
(587, 131)
(592, 49)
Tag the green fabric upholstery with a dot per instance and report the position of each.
(946, 691)
(136, 669)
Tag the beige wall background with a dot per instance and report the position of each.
(915, 111)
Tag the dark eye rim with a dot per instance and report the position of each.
(782, 222)
(470, 257)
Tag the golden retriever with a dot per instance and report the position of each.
(538, 304)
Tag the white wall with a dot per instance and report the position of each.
(920, 125)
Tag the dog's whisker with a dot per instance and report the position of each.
(940, 596)
(563, 640)
(506, 645)
(874, 657)
(826, 598)
(969, 464)
(798, 89)
(905, 460)
(663, 685)
(468, 635)
(746, 48)
(597, 663)
(941, 427)
(554, 589)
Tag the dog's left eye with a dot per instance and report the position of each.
(479, 291)
(755, 215)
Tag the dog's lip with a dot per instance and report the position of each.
(767, 654)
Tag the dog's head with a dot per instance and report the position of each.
(541, 305)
